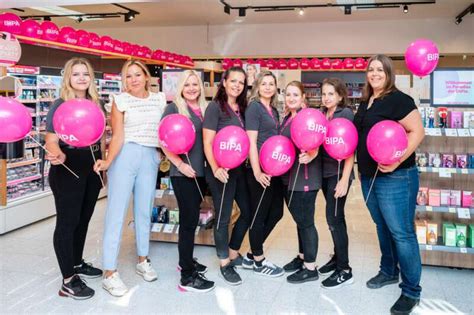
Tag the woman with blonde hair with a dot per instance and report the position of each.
(186, 175)
(75, 198)
(132, 164)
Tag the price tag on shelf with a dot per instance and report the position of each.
(197, 230)
(422, 169)
(472, 132)
(452, 210)
(168, 228)
(429, 247)
(451, 132)
(464, 133)
(437, 132)
(429, 208)
(171, 192)
(177, 229)
(464, 213)
(156, 227)
(435, 169)
(159, 193)
(463, 250)
(429, 131)
(464, 171)
(444, 172)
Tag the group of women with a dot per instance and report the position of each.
(132, 167)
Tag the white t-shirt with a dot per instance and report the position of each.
(141, 116)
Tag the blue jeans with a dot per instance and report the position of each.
(135, 170)
(392, 204)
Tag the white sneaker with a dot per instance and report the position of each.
(145, 269)
(114, 285)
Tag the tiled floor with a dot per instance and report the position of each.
(30, 279)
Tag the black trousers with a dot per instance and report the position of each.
(75, 200)
(269, 213)
(235, 189)
(189, 203)
(337, 222)
(302, 210)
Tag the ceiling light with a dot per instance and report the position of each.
(79, 19)
(227, 9)
(405, 9)
(47, 18)
(242, 11)
(301, 11)
(347, 10)
(458, 21)
(129, 16)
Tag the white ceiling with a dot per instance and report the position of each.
(201, 12)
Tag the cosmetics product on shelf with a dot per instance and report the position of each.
(434, 160)
(470, 235)
(434, 197)
(430, 113)
(421, 232)
(449, 234)
(432, 233)
(470, 161)
(466, 199)
(422, 197)
(468, 120)
(461, 160)
(461, 232)
(455, 119)
(445, 197)
(455, 198)
(422, 160)
(448, 160)
(174, 216)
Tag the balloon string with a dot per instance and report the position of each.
(100, 176)
(258, 207)
(294, 184)
(44, 148)
(195, 179)
(338, 172)
(220, 208)
(372, 184)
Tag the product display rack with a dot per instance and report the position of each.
(446, 141)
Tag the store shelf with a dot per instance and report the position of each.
(446, 170)
(27, 87)
(31, 145)
(449, 249)
(46, 100)
(22, 163)
(441, 209)
(449, 132)
(23, 180)
(27, 101)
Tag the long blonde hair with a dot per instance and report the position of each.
(255, 96)
(67, 91)
(142, 66)
(179, 99)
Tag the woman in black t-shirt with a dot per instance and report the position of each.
(227, 109)
(392, 199)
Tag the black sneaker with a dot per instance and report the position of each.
(303, 275)
(196, 283)
(381, 280)
(237, 262)
(86, 270)
(294, 265)
(404, 305)
(230, 275)
(202, 269)
(328, 268)
(76, 289)
(338, 279)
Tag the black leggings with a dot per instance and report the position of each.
(75, 200)
(269, 213)
(189, 203)
(235, 189)
(337, 222)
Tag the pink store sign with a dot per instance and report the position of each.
(10, 50)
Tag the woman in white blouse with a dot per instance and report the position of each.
(132, 164)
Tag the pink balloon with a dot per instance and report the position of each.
(83, 38)
(95, 41)
(226, 63)
(326, 63)
(79, 122)
(308, 129)
(146, 51)
(177, 133)
(282, 64)
(360, 63)
(315, 64)
(31, 28)
(107, 43)
(237, 63)
(348, 63)
(118, 47)
(10, 23)
(231, 147)
(262, 62)
(336, 64)
(50, 31)
(341, 138)
(305, 63)
(271, 64)
(127, 48)
(15, 120)
(277, 155)
(67, 35)
(421, 57)
(387, 141)
(293, 64)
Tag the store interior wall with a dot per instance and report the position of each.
(297, 39)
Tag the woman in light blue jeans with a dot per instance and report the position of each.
(133, 167)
